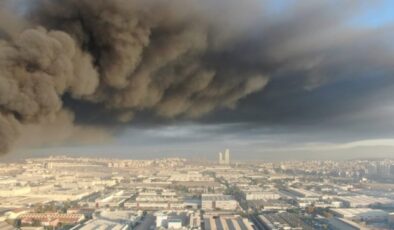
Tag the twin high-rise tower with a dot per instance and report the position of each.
(224, 159)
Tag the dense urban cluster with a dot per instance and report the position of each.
(173, 193)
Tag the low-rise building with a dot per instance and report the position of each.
(261, 196)
(226, 222)
(361, 214)
(283, 221)
(51, 219)
(361, 201)
(218, 201)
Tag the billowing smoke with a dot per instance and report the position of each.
(169, 59)
(124, 55)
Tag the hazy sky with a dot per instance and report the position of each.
(329, 92)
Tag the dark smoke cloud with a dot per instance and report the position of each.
(126, 56)
(170, 58)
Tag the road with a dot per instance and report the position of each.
(148, 221)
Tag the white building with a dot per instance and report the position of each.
(361, 214)
(261, 196)
(361, 201)
(174, 224)
(218, 201)
(224, 158)
(171, 220)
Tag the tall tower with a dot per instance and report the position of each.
(227, 157)
(221, 160)
(224, 158)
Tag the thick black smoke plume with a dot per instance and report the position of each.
(170, 58)
(125, 55)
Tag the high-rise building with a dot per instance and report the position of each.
(224, 159)
(227, 157)
(221, 158)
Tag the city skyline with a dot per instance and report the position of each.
(82, 193)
